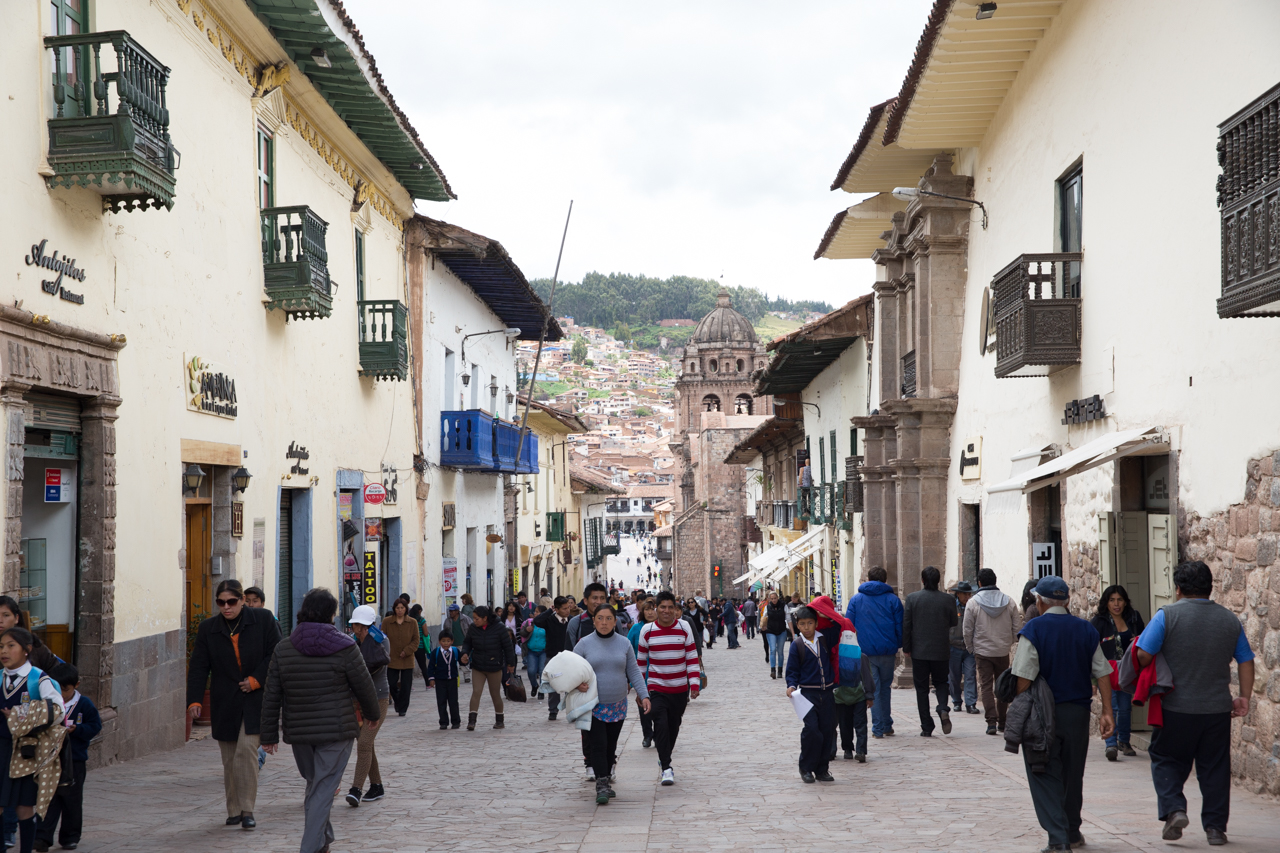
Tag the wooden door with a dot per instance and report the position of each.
(1132, 558)
(1161, 547)
(199, 548)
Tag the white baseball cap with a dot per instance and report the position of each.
(363, 615)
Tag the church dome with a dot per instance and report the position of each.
(724, 325)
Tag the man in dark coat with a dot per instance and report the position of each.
(927, 619)
(316, 678)
(231, 654)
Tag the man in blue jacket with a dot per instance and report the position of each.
(876, 614)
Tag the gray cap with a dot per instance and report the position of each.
(1053, 588)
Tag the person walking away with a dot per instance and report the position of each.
(991, 624)
(961, 674)
(375, 648)
(647, 613)
(811, 670)
(1028, 601)
(424, 641)
(851, 703)
(83, 723)
(613, 660)
(774, 626)
(876, 613)
(1117, 623)
(231, 653)
(316, 673)
(730, 617)
(443, 666)
(669, 658)
(1198, 638)
(1063, 650)
(927, 619)
(457, 625)
(535, 652)
(750, 612)
(21, 681)
(405, 637)
(488, 650)
(555, 623)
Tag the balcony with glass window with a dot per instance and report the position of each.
(295, 263)
(1037, 313)
(384, 339)
(110, 129)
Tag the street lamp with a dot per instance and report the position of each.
(241, 478)
(192, 478)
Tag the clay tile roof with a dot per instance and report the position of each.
(924, 49)
(864, 137)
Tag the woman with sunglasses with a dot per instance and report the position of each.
(231, 654)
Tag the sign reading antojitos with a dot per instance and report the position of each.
(210, 388)
(375, 493)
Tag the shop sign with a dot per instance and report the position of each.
(971, 459)
(1043, 556)
(344, 506)
(237, 519)
(835, 583)
(59, 485)
(450, 573)
(299, 454)
(375, 493)
(373, 530)
(390, 479)
(211, 389)
(64, 267)
(369, 584)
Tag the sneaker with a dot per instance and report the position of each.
(1126, 749)
(860, 757)
(353, 797)
(647, 742)
(1113, 754)
(824, 776)
(1173, 825)
(808, 778)
(374, 794)
(955, 706)
(848, 754)
(991, 729)
(668, 777)
(591, 774)
(946, 722)
(602, 792)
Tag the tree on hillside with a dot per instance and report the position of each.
(579, 352)
(622, 332)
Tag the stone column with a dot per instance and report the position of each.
(15, 419)
(95, 631)
(880, 516)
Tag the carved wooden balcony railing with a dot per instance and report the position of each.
(384, 339)
(295, 262)
(117, 148)
(909, 374)
(1038, 314)
(1249, 199)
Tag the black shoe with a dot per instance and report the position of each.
(1076, 840)
(860, 757)
(999, 727)
(1216, 837)
(848, 754)
(928, 733)
(971, 709)
(991, 729)
(374, 794)
(946, 722)
(70, 845)
(247, 821)
(353, 797)
(444, 726)
(1126, 749)
(825, 776)
(40, 846)
(551, 715)
(646, 743)
(1113, 754)
(401, 713)
(457, 725)
(808, 778)
(1174, 823)
(955, 706)
(602, 792)
(1055, 848)
(234, 821)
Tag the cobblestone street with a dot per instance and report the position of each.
(737, 789)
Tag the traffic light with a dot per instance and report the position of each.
(715, 571)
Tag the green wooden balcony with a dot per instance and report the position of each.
(295, 262)
(384, 339)
(117, 147)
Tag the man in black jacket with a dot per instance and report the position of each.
(927, 619)
(315, 675)
(231, 654)
(554, 623)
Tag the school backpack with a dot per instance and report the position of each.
(537, 640)
(850, 657)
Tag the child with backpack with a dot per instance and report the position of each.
(442, 669)
(21, 683)
(535, 651)
(83, 724)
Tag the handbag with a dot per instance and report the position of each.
(514, 688)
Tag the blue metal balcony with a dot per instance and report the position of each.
(506, 438)
(466, 440)
(528, 463)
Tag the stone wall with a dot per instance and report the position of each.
(1242, 546)
(689, 571)
(148, 691)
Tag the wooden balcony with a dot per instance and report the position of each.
(1249, 200)
(295, 262)
(1038, 314)
(384, 339)
(117, 147)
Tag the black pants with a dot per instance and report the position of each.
(68, 804)
(921, 672)
(602, 742)
(667, 710)
(1202, 739)
(421, 657)
(1058, 792)
(750, 627)
(853, 727)
(447, 702)
(646, 722)
(818, 737)
(401, 683)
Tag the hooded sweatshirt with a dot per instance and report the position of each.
(876, 614)
(991, 622)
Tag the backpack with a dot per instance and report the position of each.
(537, 640)
(850, 657)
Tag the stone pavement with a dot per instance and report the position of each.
(737, 788)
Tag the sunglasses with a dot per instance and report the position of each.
(227, 602)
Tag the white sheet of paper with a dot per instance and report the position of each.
(801, 705)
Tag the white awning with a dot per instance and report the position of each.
(762, 563)
(806, 546)
(1009, 502)
(1097, 452)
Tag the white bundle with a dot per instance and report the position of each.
(562, 674)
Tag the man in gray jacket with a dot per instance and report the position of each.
(314, 674)
(991, 624)
(927, 619)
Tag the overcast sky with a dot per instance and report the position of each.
(695, 138)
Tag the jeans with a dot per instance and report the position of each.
(1058, 792)
(921, 672)
(1122, 708)
(963, 668)
(882, 667)
(732, 633)
(534, 662)
(1202, 739)
(776, 650)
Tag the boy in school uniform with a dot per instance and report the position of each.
(810, 670)
(83, 725)
(442, 673)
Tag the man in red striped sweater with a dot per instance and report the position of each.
(669, 659)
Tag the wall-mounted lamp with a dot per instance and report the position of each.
(986, 10)
(912, 193)
(466, 379)
(240, 479)
(493, 389)
(319, 57)
(192, 478)
(511, 332)
(511, 398)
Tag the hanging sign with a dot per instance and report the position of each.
(373, 529)
(369, 585)
(59, 485)
(450, 567)
(211, 389)
(835, 582)
(299, 454)
(375, 493)
(1043, 556)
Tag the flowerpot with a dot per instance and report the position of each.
(206, 713)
